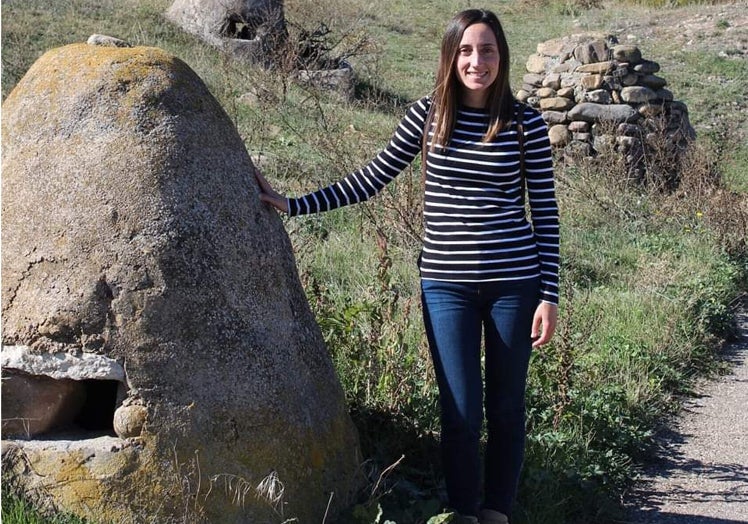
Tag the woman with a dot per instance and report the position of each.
(485, 270)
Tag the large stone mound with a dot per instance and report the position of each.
(139, 264)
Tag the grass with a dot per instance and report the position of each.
(16, 510)
(648, 276)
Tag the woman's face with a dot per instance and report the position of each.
(477, 64)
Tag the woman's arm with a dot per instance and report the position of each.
(363, 183)
(545, 224)
(544, 323)
(543, 205)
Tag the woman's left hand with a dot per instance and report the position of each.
(544, 323)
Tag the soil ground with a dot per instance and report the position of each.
(722, 27)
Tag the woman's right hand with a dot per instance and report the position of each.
(269, 195)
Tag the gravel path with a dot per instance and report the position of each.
(701, 476)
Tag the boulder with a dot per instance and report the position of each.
(556, 104)
(637, 95)
(536, 64)
(598, 96)
(132, 230)
(554, 117)
(596, 67)
(592, 81)
(80, 366)
(533, 79)
(647, 67)
(627, 53)
(653, 81)
(559, 135)
(592, 51)
(590, 112)
(129, 420)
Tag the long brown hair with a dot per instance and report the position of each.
(446, 96)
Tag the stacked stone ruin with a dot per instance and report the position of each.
(597, 95)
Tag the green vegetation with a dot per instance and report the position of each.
(18, 511)
(649, 275)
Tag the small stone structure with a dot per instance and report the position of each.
(339, 80)
(254, 31)
(597, 95)
(160, 361)
(250, 30)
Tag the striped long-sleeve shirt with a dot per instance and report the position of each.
(476, 228)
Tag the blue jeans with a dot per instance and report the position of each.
(456, 315)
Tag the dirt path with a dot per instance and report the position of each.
(702, 474)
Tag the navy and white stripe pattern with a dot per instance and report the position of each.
(474, 214)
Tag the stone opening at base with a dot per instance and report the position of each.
(97, 413)
(60, 395)
(42, 407)
(237, 28)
